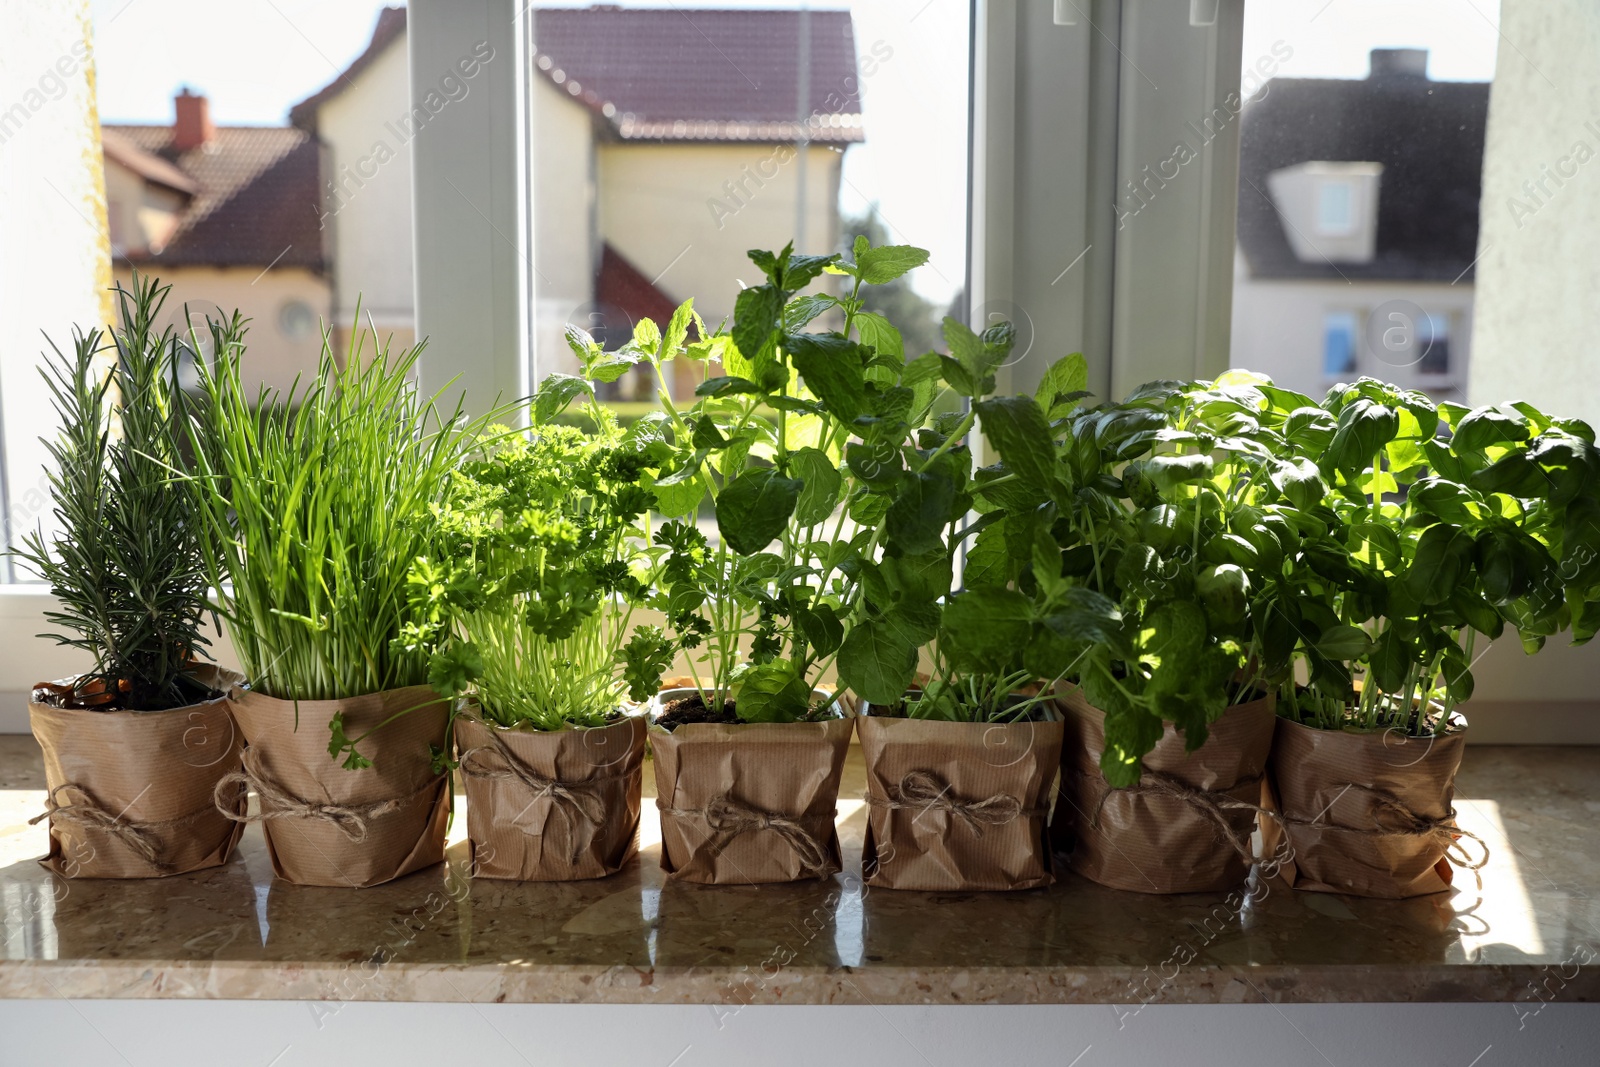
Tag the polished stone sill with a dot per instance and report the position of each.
(235, 933)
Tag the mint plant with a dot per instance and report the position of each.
(760, 613)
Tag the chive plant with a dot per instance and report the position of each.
(317, 502)
(126, 565)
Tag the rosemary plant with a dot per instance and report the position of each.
(126, 564)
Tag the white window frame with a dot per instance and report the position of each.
(1064, 116)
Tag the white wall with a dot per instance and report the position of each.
(299, 1034)
(690, 212)
(1278, 329)
(1539, 270)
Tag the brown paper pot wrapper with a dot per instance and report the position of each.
(1148, 838)
(1378, 808)
(750, 803)
(333, 827)
(958, 805)
(567, 809)
(131, 792)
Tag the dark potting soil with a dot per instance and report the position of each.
(691, 708)
(93, 694)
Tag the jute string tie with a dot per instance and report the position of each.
(924, 790)
(82, 809)
(728, 818)
(351, 819)
(576, 802)
(1400, 820)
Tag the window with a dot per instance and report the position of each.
(1338, 344)
(539, 184)
(1433, 345)
(1334, 215)
(1362, 182)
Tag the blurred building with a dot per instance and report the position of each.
(226, 215)
(1358, 227)
(664, 146)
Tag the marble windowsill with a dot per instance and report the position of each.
(235, 933)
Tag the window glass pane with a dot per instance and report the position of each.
(1361, 159)
(670, 139)
(1333, 208)
(273, 178)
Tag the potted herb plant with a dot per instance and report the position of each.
(1441, 524)
(748, 762)
(525, 606)
(961, 761)
(1168, 731)
(316, 503)
(135, 746)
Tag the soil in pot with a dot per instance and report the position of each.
(958, 806)
(1367, 813)
(132, 793)
(749, 803)
(552, 806)
(692, 708)
(1186, 826)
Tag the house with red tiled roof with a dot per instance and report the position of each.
(226, 215)
(664, 144)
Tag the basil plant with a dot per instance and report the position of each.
(1422, 528)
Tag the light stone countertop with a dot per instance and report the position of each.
(235, 933)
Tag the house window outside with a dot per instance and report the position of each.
(297, 320)
(1335, 213)
(1433, 345)
(1338, 344)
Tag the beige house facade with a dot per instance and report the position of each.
(653, 169)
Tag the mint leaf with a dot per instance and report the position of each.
(820, 485)
(1018, 430)
(876, 662)
(754, 508)
(831, 368)
(885, 264)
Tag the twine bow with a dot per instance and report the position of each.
(728, 818)
(143, 839)
(351, 819)
(1402, 821)
(1210, 804)
(578, 803)
(924, 790)
(1407, 823)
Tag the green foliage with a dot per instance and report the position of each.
(1439, 524)
(315, 505)
(126, 562)
(894, 318)
(537, 570)
(761, 612)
